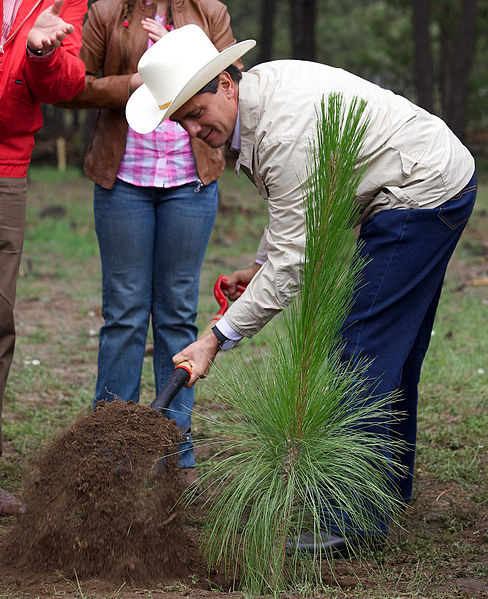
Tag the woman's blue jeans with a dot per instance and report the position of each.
(152, 243)
(392, 318)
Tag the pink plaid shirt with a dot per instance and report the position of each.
(9, 12)
(162, 158)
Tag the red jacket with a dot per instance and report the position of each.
(26, 82)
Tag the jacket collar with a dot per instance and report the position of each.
(249, 119)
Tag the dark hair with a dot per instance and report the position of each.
(212, 86)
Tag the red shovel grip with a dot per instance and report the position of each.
(219, 294)
(221, 300)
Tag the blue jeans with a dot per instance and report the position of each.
(152, 243)
(392, 317)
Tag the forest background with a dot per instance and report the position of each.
(433, 52)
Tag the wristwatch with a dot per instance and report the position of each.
(224, 342)
(38, 52)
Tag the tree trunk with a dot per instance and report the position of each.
(458, 37)
(268, 11)
(302, 27)
(423, 64)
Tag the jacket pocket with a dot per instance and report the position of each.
(18, 90)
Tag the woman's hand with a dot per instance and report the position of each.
(155, 31)
(242, 277)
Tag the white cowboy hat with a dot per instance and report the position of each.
(174, 69)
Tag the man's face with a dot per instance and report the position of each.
(211, 117)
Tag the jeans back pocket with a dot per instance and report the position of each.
(455, 212)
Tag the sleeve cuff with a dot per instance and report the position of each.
(38, 53)
(224, 327)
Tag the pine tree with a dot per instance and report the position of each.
(295, 439)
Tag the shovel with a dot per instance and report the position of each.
(182, 372)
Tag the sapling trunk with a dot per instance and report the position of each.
(294, 422)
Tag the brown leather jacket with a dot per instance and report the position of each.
(110, 92)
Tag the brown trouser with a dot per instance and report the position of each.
(13, 194)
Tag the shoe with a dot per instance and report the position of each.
(10, 505)
(332, 545)
(328, 544)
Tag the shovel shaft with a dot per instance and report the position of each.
(176, 381)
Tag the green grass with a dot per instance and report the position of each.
(453, 420)
(58, 304)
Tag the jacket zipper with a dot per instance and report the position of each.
(12, 35)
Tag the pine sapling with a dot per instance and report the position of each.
(294, 424)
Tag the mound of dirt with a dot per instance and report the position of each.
(97, 506)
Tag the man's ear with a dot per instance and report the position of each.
(227, 84)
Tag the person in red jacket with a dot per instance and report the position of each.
(39, 47)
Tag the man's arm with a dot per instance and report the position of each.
(60, 74)
(273, 283)
(283, 168)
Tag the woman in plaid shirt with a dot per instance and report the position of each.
(155, 201)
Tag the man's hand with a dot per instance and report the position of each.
(243, 277)
(49, 30)
(200, 355)
(155, 31)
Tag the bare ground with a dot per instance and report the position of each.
(441, 550)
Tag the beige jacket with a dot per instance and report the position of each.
(414, 161)
(101, 51)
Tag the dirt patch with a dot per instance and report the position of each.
(97, 505)
(162, 559)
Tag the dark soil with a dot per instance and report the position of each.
(97, 506)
